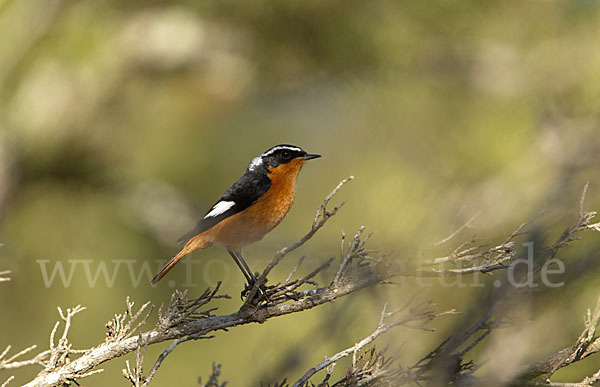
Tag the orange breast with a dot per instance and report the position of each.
(253, 223)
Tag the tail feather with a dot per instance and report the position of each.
(196, 243)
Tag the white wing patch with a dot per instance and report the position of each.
(219, 208)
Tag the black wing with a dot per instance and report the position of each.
(245, 191)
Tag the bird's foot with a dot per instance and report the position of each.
(262, 290)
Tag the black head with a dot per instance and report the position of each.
(280, 154)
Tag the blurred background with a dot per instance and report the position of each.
(121, 123)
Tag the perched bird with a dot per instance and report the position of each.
(249, 209)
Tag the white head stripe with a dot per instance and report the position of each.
(280, 147)
(255, 163)
(219, 208)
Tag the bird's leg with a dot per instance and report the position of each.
(250, 277)
(252, 280)
(239, 255)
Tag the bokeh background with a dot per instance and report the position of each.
(122, 122)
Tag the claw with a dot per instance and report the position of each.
(262, 290)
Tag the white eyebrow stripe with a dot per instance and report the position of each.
(219, 208)
(275, 149)
(255, 163)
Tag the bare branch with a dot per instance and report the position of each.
(467, 224)
(168, 351)
(4, 273)
(294, 270)
(11, 362)
(135, 375)
(60, 350)
(185, 320)
(213, 379)
(587, 344)
(422, 313)
(122, 327)
(321, 217)
(355, 250)
(10, 379)
(322, 210)
(480, 258)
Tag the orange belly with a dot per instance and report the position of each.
(253, 223)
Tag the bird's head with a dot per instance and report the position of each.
(279, 156)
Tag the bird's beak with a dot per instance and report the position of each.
(310, 157)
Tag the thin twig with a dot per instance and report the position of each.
(182, 321)
(321, 217)
(10, 379)
(168, 351)
(4, 273)
(468, 224)
(423, 315)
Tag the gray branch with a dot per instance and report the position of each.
(186, 320)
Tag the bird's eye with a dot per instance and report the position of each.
(285, 154)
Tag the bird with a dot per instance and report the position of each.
(249, 209)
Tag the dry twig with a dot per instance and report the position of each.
(587, 344)
(186, 320)
(421, 313)
(5, 273)
(213, 379)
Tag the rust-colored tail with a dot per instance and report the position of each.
(198, 242)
